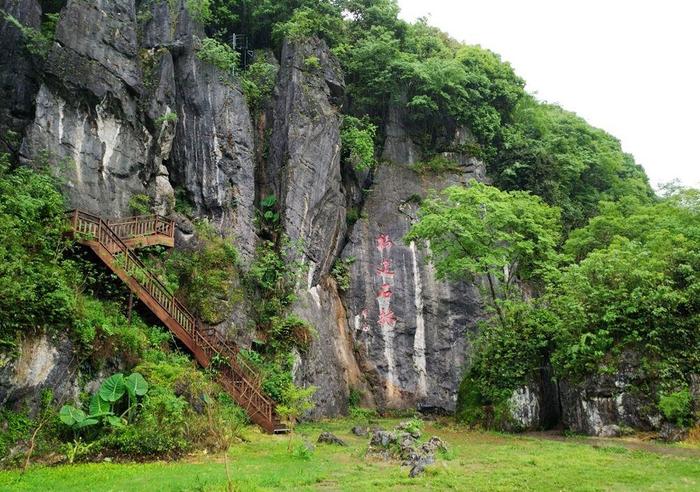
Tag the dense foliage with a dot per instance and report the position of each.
(37, 283)
(557, 155)
(627, 283)
(206, 276)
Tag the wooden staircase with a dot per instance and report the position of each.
(113, 242)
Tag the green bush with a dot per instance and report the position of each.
(306, 22)
(219, 54)
(183, 203)
(200, 10)
(16, 427)
(291, 331)
(166, 118)
(37, 283)
(258, 81)
(140, 204)
(37, 42)
(438, 164)
(341, 272)
(364, 416)
(207, 277)
(677, 407)
(312, 63)
(183, 410)
(357, 138)
(354, 397)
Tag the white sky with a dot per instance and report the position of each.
(631, 67)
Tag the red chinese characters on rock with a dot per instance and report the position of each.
(365, 325)
(387, 318)
(384, 297)
(386, 273)
(384, 244)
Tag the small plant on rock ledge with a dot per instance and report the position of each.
(140, 204)
(341, 272)
(312, 63)
(168, 117)
(218, 54)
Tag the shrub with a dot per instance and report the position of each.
(677, 407)
(218, 54)
(306, 22)
(36, 41)
(357, 138)
(183, 410)
(438, 164)
(362, 415)
(341, 272)
(208, 276)
(354, 397)
(312, 63)
(166, 118)
(183, 203)
(140, 204)
(200, 10)
(352, 216)
(291, 331)
(258, 81)
(37, 283)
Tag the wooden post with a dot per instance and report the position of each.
(131, 304)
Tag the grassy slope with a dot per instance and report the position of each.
(478, 461)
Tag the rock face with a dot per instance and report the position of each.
(213, 148)
(86, 120)
(303, 170)
(598, 402)
(125, 109)
(42, 363)
(18, 74)
(330, 363)
(410, 327)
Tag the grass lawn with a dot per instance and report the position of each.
(476, 461)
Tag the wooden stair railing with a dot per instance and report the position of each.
(144, 230)
(238, 378)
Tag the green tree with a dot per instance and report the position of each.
(480, 230)
(557, 155)
(357, 136)
(297, 401)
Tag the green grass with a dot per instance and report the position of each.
(476, 461)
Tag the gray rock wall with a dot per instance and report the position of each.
(410, 327)
(19, 78)
(87, 123)
(41, 363)
(99, 119)
(303, 169)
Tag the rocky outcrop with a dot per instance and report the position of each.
(330, 363)
(19, 78)
(410, 327)
(41, 363)
(303, 170)
(86, 123)
(603, 403)
(125, 108)
(213, 152)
